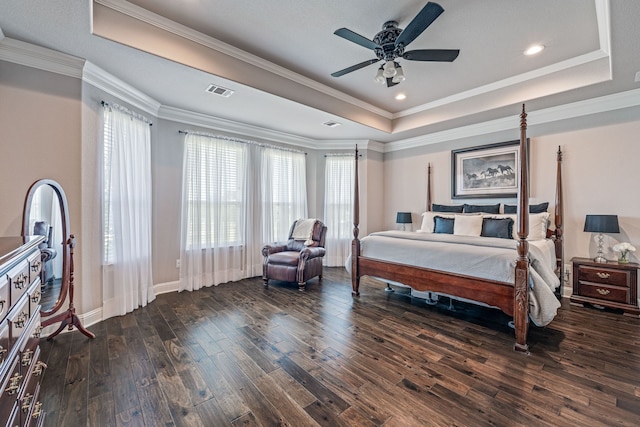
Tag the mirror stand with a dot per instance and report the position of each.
(68, 318)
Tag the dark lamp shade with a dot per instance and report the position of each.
(601, 224)
(403, 218)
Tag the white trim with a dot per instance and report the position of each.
(617, 101)
(165, 288)
(225, 125)
(519, 79)
(42, 58)
(96, 76)
(180, 30)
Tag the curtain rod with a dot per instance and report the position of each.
(243, 141)
(341, 155)
(127, 111)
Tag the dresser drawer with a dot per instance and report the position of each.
(603, 275)
(605, 292)
(28, 344)
(4, 297)
(19, 279)
(18, 318)
(35, 295)
(4, 343)
(35, 265)
(9, 386)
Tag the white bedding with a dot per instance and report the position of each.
(483, 257)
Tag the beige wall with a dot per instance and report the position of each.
(599, 173)
(40, 137)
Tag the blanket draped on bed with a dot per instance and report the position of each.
(483, 257)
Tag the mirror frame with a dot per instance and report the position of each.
(64, 216)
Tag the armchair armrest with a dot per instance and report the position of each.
(312, 252)
(273, 248)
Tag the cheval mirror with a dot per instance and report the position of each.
(46, 213)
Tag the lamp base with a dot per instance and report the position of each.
(600, 259)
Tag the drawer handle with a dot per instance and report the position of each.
(3, 352)
(603, 291)
(26, 402)
(603, 275)
(20, 281)
(21, 320)
(14, 384)
(39, 368)
(37, 410)
(36, 266)
(2, 305)
(35, 298)
(26, 357)
(37, 332)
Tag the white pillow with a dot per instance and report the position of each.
(538, 224)
(467, 225)
(427, 220)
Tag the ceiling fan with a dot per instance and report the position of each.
(390, 43)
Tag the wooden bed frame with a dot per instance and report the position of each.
(511, 298)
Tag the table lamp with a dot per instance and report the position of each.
(601, 224)
(403, 218)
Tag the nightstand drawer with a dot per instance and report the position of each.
(603, 275)
(605, 292)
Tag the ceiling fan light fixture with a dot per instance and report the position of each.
(399, 77)
(379, 77)
(389, 70)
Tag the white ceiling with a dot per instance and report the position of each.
(278, 56)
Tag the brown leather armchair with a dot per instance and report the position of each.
(295, 261)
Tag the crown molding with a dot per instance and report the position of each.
(239, 128)
(143, 15)
(96, 76)
(603, 104)
(39, 57)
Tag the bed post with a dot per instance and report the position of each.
(559, 239)
(355, 243)
(521, 291)
(428, 187)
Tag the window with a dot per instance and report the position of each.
(214, 188)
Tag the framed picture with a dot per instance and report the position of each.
(487, 171)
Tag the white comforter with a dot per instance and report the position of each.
(484, 257)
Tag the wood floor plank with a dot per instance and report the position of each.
(242, 355)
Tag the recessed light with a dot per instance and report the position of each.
(401, 96)
(532, 50)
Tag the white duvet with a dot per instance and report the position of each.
(484, 257)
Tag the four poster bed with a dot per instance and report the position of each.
(430, 262)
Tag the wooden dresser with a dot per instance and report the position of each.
(608, 284)
(20, 367)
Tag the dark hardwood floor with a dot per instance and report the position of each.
(239, 354)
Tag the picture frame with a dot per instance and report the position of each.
(487, 171)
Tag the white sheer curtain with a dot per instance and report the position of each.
(214, 207)
(237, 196)
(338, 208)
(284, 192)
(127, 273)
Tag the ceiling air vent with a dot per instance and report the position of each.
(219, 90)
(331, 124)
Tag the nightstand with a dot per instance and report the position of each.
(607, 284)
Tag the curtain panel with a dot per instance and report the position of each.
(127, 271)
(338, 208)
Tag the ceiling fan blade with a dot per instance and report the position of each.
(354, 67)
(356, 38)
(423, 19)
(443, 55)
